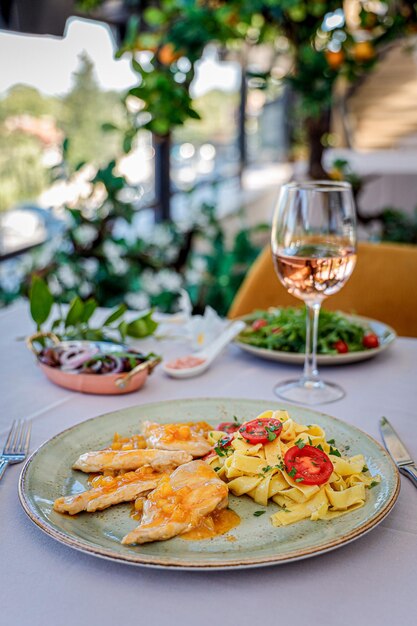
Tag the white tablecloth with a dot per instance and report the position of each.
(371, 581)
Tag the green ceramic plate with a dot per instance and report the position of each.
(255, 542)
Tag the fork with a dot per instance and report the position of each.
(16, 446)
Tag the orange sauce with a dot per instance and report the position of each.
(135, 442)
(213, 525)
(179, 432)
(110, 482)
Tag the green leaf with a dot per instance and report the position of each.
(142, 326)
(123, 330)
(334, 451)
(108, 127)
(115, 315)
(154, 17)
(75, 312)
(41, 301)
(259, 513)
(89, 308)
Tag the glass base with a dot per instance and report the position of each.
(308, 392)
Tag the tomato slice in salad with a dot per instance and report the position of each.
(370, 340)
(308, 465)
(258, 324)
(261, 430)
(228, 427)
(341, 347)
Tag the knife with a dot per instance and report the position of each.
(398, 451)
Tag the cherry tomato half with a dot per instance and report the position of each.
(228, 427)
(341, 347)
(370, 340)
(308, 465)
(261, 430)
(258, 324)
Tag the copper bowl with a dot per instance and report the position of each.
(102, 384)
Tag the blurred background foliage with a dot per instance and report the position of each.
(107, 251)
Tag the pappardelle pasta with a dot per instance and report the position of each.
(275, 458)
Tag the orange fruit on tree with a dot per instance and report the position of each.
(363, 51)
(168, 55)
(335, 59)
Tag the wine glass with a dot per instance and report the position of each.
(314, 252)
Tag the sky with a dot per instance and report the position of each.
(48, 63)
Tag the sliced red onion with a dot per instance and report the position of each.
(119, 365)
(73, 357)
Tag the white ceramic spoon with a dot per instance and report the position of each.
(209, 354)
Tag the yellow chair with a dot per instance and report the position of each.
(383, 286)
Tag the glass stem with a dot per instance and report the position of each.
(311, 373)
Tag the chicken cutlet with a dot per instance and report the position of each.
(179, 503)
(109, 490)
(191, 437)
(160, 460)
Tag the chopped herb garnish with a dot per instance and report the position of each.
(270, 433)
(217, 469)
(334, 452)
(285, 510)
(300, 443)
(310, 441)
(292, 473)
(299, 480)
(266, 468)
(220, 451)
(236, 420)
(259, 513)
(365, 469)
(331, 442)
(319, 447)
(373, 484)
